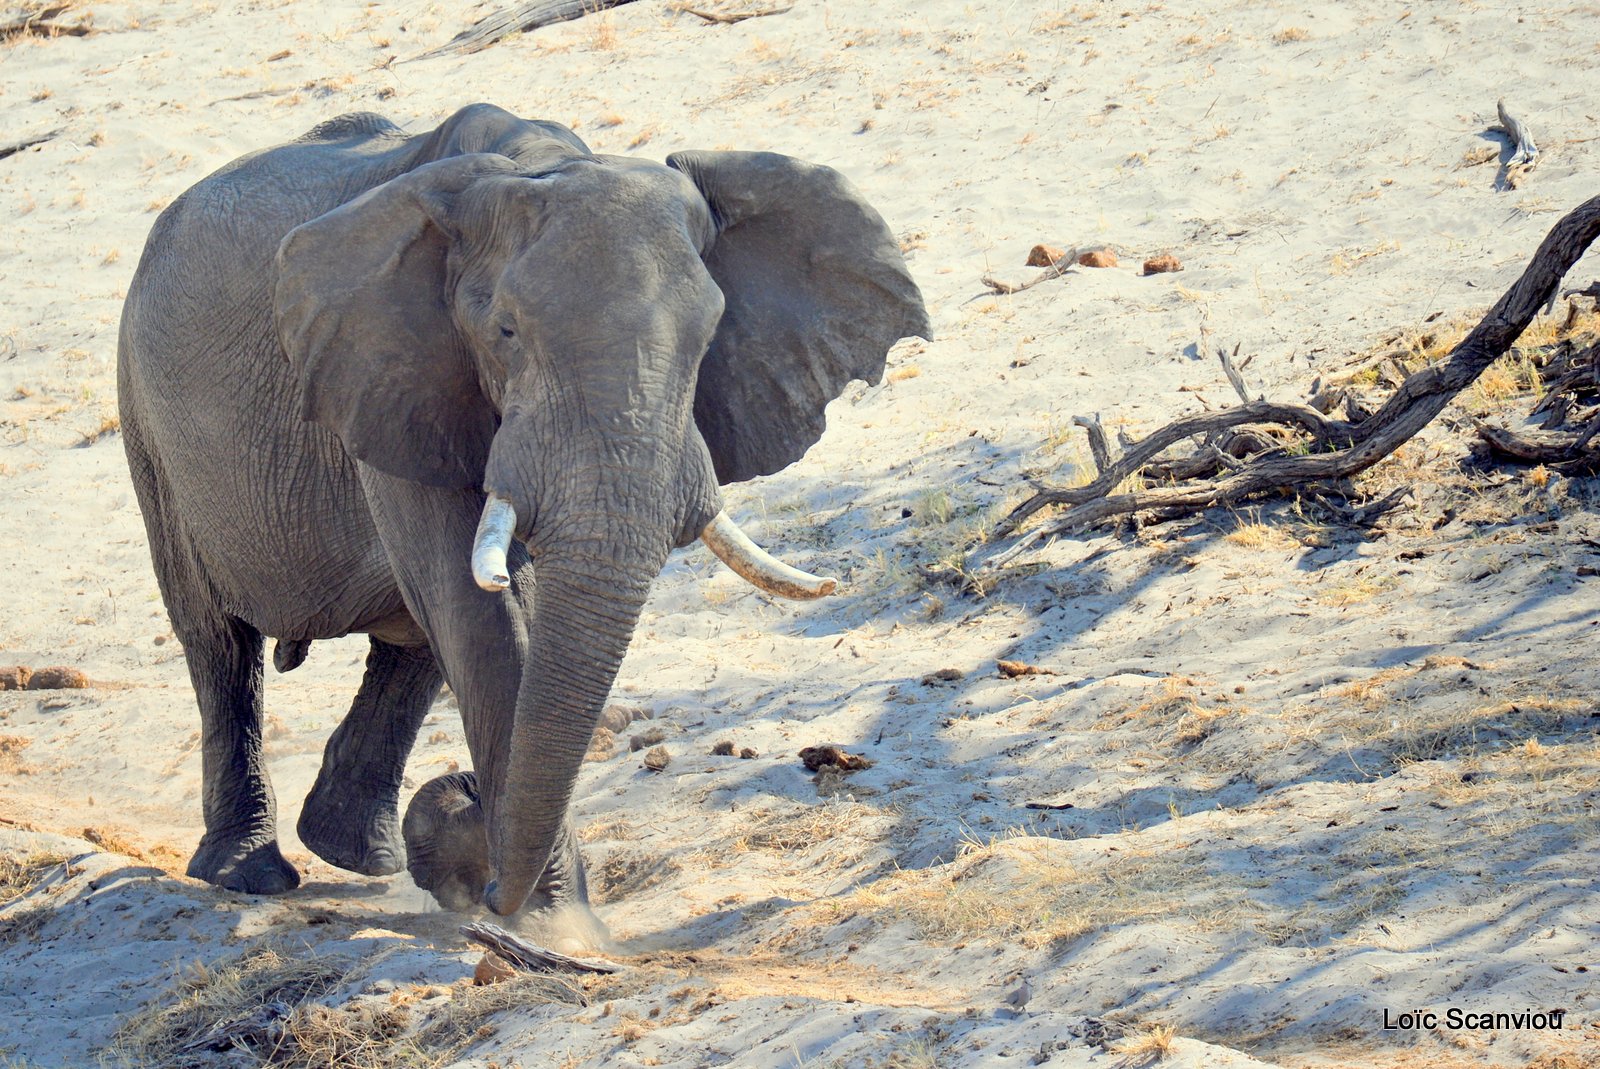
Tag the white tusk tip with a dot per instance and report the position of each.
(826, 587)
(494, 583)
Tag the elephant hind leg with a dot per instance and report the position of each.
(239, 850)
(351, 817)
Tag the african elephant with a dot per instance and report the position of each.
(463, 392)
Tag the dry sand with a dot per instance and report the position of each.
(1309, 774)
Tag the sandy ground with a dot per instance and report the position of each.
(1302, 775)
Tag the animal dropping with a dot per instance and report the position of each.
(831, 756)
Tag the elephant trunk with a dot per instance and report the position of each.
(586, 609)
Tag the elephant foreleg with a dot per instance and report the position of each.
(351, 817)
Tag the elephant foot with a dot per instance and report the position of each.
(445, 842)
(356, 832)
(251, 866)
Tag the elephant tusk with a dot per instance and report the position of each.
(489, 546)
(764, 571)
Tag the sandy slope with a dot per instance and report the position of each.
(1297, 760)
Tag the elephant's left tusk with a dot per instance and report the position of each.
(495, 527)
(764, 571)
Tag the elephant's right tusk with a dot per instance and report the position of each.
(764, 571)
(495, 527)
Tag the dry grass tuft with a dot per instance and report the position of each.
(1291, 34)
(1152, 1044)
(796, 830)
(265, 1002)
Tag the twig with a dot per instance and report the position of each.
(1055, 270)
(1233, 374)
(529, 956)
(737, 16)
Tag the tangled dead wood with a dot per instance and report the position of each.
(1297, 447)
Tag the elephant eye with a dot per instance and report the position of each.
(507, 332)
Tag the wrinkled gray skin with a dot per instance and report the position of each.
(332, 349)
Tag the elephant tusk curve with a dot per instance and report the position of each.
(763, 571)
(489, 546)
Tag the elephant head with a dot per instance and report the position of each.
(597, 344)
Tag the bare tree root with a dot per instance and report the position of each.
(1321, 451)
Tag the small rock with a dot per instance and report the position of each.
(722, 749)
(1160, 265)
(747, 754)
(1044, 255)
(829, 755)
(657, 759)
(492, 969)
(943, 675)
(645, 739)
(15, 677)
(57, 679)
(1098, 258)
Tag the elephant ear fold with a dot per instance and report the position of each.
(816, 293)
(364, 315)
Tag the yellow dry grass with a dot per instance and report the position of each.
(1034, 891)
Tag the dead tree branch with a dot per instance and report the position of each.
(530, 956)
(519, 19)
(41, 22)
(1335, 450)
(1525, 153)
(734, 16)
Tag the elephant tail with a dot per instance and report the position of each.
(289, 653)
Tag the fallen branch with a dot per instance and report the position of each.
(530, 956)
(41, 23)
(520, 19)
(14, 147)
(1526, 153)
(736, 16)
(1335, 450)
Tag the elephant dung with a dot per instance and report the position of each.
(15, 677)
(748, 754)
(1044, 255)
(57, 679)
(1160, 265)
(831, 756)
(646, 739)
(657, 759)
(616, 718)
(1098, 258)
(601, 745)
(723, 749)
(492, 969)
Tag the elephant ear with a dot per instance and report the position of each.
(363, 312)
(816, 293)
